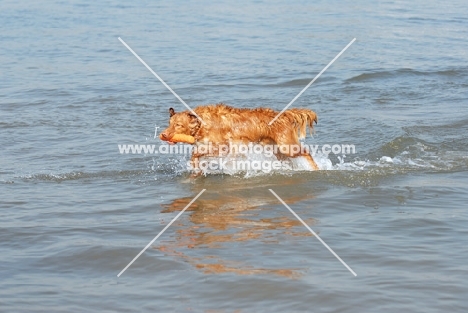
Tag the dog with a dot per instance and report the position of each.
(221, 124)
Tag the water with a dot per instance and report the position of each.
(75, 212)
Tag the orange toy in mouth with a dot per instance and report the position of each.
(180, 138)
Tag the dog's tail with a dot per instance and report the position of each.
(303, 118)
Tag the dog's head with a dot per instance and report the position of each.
(184, 123)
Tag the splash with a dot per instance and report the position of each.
(401, 155)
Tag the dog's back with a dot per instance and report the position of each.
(225, 123)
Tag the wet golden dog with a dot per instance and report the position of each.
(223, 124)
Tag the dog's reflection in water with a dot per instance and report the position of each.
(218, 221)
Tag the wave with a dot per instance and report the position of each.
(387, 74)
(69, 176)
(407, 153)
(169, 169)
(302, 82)
(401, 155)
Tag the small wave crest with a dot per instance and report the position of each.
(385, 74)
(70, 176)
(400, 155)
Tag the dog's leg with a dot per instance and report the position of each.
(311, 161)
(196, 171)
(295, 149)
(199, 151)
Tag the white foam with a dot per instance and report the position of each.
(386, 159)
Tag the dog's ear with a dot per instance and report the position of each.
(193, 120)
(171, 112)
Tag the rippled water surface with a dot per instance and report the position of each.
(74, 211)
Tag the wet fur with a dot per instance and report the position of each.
(224, 124)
